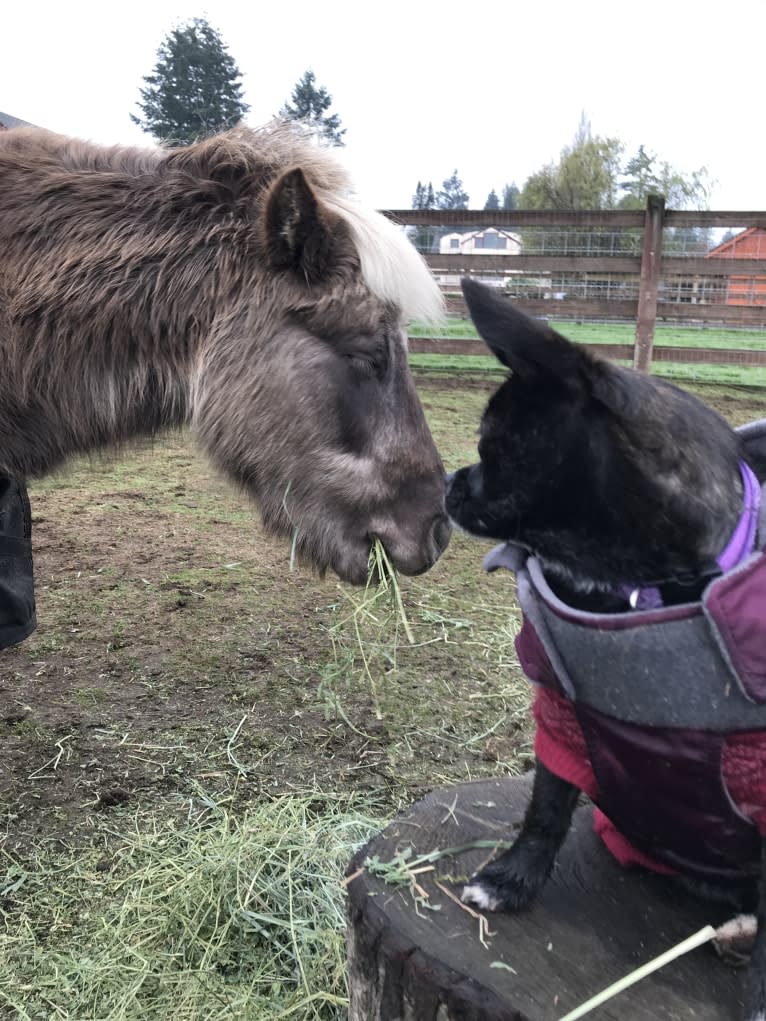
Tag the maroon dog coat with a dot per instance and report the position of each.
(659, 715)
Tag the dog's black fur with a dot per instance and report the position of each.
(607, 476)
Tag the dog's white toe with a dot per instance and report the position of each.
(475, 894)
(741, 928)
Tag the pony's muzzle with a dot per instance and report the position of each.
(412, 553)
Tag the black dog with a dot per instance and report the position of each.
(625, 491)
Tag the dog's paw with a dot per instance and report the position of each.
(734, 940)
(484, 900)
(501, 887)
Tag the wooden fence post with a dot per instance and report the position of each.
(651, 257)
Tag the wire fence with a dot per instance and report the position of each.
(642, 267)
(629, 265)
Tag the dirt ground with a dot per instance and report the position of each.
(176, 651)
(175, 648)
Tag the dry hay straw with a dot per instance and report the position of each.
(453, 645)
(375, 619)
(217, 918)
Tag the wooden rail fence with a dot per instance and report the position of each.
(619, 352)
(646, 277)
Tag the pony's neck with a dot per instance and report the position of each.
(45, 422)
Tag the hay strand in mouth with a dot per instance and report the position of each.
(375, 620)
(380, 567)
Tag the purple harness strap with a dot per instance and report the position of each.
(736, 549)
(742, 541)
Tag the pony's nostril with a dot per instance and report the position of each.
(440, 534)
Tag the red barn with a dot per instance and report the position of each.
(748, 244)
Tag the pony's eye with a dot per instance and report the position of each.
(364, 364)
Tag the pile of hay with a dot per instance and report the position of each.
(216, 918)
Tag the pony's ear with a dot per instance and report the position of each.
(529, 347)
(301, 235)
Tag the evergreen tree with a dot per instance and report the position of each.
(493, 202)
(310, 104)
(195, 88)
(424, 197)
(590, 175)
(424, 238)
(452, 195)
(644, 173)
(511, 194)
(639, 180)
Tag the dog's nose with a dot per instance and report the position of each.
(475, 481)
(468, 481)
(459, 488)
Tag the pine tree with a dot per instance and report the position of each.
(424, 238)
(424, 197)
(194, 90)
(452, 195)
(511, 194)
(644, 174)
(309, 106)
(493, 202)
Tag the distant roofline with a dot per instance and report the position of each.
(7, 120)
(483, 230)
(732, 241)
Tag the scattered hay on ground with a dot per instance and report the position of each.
(435, 670)
(218, 917)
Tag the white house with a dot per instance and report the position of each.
(490, 241)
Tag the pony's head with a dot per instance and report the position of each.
(302, 390)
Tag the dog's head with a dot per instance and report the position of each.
(604, 473)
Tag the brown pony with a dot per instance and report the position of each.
(235, 285)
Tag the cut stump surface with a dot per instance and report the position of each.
(593, 924)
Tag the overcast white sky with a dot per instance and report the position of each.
(492, 88)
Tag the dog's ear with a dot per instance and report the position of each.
(529, 347)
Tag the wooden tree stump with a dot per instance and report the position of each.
(594, 923)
